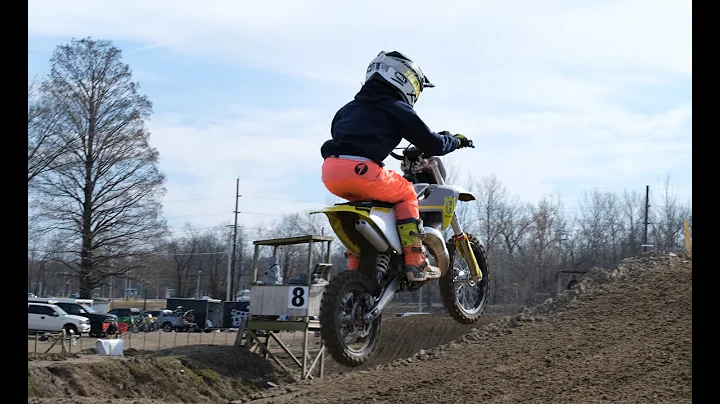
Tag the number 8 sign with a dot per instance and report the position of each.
(298, 297)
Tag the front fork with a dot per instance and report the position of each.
(462, 241)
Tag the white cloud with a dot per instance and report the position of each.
(320, 39)
(535, 84)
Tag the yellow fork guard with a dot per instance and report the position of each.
(463, 243)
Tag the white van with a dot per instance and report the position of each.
(43, 317)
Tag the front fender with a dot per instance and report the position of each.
(463, 195)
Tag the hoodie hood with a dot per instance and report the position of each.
(374, 91)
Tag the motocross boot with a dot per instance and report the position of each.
(353, 260)
(417, 267)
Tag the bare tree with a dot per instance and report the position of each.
(546, 232)
(490, 203)
(183, 253)
(214, 261)
(104, 193)
(46, 141)
(667, 229)
(633, 211)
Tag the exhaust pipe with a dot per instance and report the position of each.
(434, 241)
(372, 235)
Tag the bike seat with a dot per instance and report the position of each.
(370, 203)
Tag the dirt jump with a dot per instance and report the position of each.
(621, 335)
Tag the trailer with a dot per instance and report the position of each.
(206, 311)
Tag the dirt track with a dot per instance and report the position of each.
(621, 336)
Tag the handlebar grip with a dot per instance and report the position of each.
(396, 156)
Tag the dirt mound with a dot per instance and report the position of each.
(189, 374)
(36, 356)
(134, 376)
(621, 335)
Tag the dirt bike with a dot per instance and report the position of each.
(352, 303)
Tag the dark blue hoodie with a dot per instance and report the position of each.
(376, 121)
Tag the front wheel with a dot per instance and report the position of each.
(347, 337)
(464, 299)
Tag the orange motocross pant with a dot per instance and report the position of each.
(358, 179)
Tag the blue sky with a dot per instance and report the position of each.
(560, 97)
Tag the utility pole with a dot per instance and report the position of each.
(234, 240)
(228, 276)
(647, 208)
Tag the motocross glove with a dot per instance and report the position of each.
(463, 141)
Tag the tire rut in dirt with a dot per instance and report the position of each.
(402, 337)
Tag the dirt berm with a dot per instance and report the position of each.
(619, 336)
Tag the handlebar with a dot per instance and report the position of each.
(415, 149)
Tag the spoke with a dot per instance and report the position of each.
(466, 294)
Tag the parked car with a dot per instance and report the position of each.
(177, 320)
(45, 317)
(96, 319)
(129, 316)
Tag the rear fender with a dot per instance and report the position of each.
(342, 218)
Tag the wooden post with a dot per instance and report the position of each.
(306, 319)
(255, 262)
(322, 359)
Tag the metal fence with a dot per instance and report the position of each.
(153, 340)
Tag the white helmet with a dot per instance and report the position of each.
(401, 72)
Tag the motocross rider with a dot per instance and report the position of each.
(365, 131)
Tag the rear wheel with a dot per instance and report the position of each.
(347, 337)
(465, 300)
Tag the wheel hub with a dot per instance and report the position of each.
(352, 317)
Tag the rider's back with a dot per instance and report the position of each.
(376, 121)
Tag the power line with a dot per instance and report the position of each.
(272, 198)
(261, 214)
(198, 199)
(280, 199)
(197, 215)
